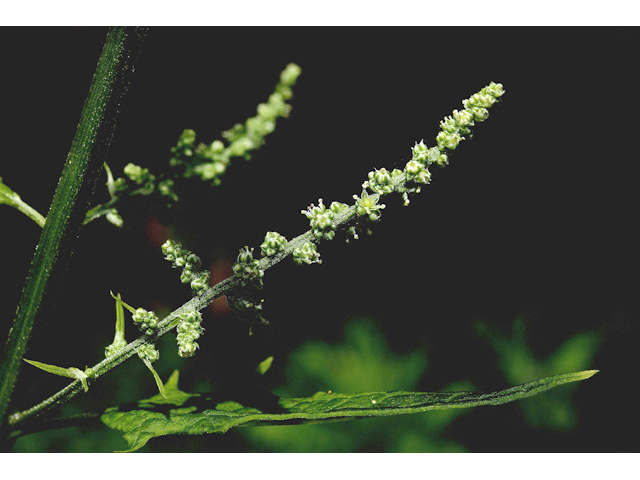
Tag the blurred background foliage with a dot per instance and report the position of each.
(533, 219)
(362, 361)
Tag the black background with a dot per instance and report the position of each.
(536, 215)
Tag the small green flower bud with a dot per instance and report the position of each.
(186, 276)
(200, 282)
(368, 205)
(165, 188)
(443, 160)
(463, 118)
(448, 140)
(494, 89)
(380, 181)
(149, 353)
(115, 218)
(140, 176)
(193, 261)
(337, 207)
(320, 220)
(188, 349)
(115, 347)
(449, 125)
(146, 321)
(245, 266)
(273, 243)
(290, 74)
(479, 114)
(188, 137)
(308, 254)
(420, 152)
(417, 172)
(413, 167)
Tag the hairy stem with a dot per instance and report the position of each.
(68, 207)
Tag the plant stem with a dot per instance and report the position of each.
(30, 212)
(68, 207)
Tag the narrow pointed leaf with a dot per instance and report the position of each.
(119, 318)
(119, 301)
(198, 415)
(71, 372)
(156, 378)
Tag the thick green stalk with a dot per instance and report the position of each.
(70, 201)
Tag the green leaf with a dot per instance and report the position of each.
(264, 365)
(11, 198)
(197, 415)
(71, 372)
(156, 377)
(120, 302)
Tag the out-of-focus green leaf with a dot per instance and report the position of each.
(153, 417)
(519, 364)
(264, 365)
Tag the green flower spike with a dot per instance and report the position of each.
(70, 372)
(189, 330)
(209, 162)
(476, 107)
(148, 354)
(183, 258)
(118, 340)
(368, 205)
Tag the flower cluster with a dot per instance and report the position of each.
(189, 262)
(247, 302)
(273, 243)
(247, 267)
(117, 345)
(209, 162)
(382, 181)
(146, 321)
(189, 330)
(321, 220)
(367, 205)
(148, 353)
(476, 107)
(307, 253)
(142, 177)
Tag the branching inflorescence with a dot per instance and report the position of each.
(243, 290)
(207, 162)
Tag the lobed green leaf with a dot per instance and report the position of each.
(182, 413)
